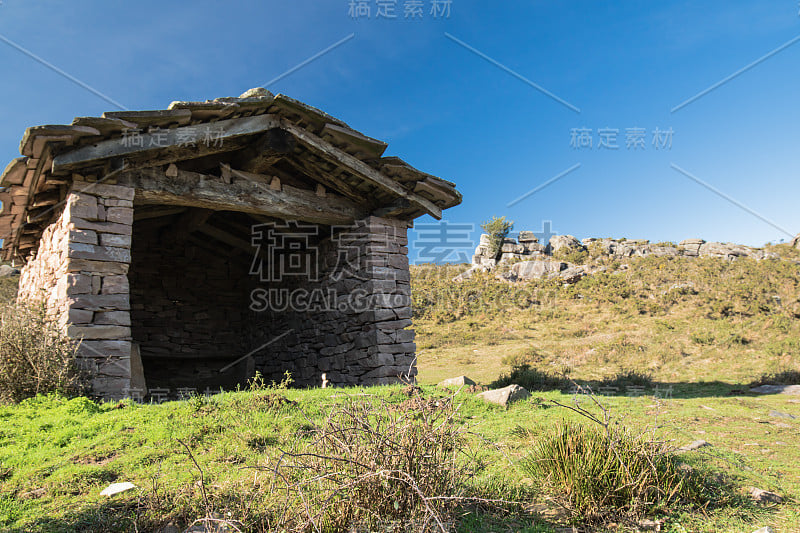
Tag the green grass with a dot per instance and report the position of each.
(706, 328)
(56, 455)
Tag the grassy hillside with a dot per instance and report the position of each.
(682, 320)
(257, 458)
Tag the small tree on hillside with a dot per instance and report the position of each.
(498, 229)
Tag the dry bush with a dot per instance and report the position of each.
(36, 357)
(377, 465)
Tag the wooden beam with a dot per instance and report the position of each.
(144, 214)
(360, 169)
(248, 196)
(264, 152)
(169, 146)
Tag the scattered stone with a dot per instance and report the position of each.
(116, 488)
(651, 525)
(777, 389)
(256, 92)
(7, 271)
(692, 446)
(765, 529)
(505, 396)
(459, 381)
(778, 414)
(764, 496)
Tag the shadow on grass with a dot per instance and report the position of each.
(110, 517)
(627, 383)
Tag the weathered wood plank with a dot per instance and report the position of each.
(248, 196)
(74, 132)
(168, 146)
(145, 119)
(14, 174)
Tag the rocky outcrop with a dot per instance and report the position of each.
(527, 247)
(531, 259)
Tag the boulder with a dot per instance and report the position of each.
(796, 241)
(663, 251)
(777, 389)
(512, 248)
(505, 396)
(7, 271)
(571, 274)
(765, 529)
(558, 242)
(533, 247)
(527, 236)
(460, 381)
(537, 269)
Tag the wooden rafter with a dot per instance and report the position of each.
(360, 169)
(169, 146)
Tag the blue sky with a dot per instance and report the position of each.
(452, 113)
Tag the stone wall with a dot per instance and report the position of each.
(188, 309)
(191, 310)
(80, 271)
(352, 327)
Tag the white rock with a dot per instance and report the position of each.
(116, 488)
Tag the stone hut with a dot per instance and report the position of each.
(190, 247)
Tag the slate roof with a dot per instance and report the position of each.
(33, 184)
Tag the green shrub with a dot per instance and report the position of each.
(36, 357)
(782, 377)
(629, 378)
(702, 337)
(498, 229)
(532, 379)
(370, 464)
(601, 475)
(571, 255)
